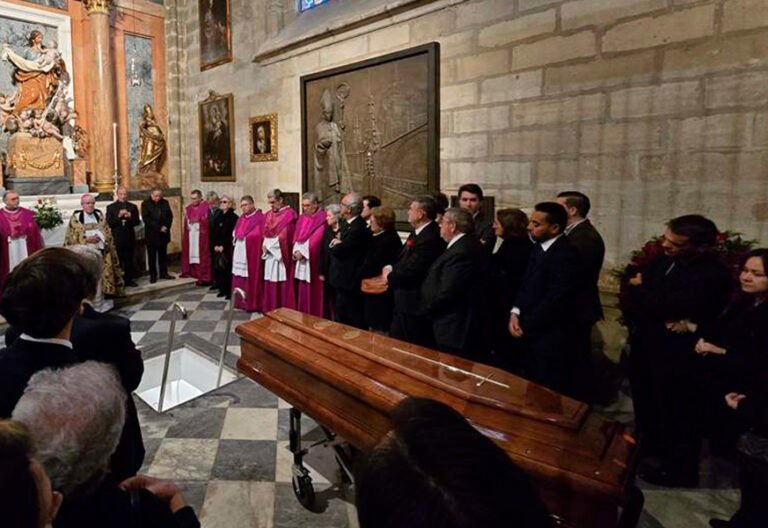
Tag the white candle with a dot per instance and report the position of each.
(114, 143)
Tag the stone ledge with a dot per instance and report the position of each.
(337, 18)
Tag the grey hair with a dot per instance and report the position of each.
(335, 209)
(211, 194)
(277, 194)
(354, 203)
(463, 219)
(76, 416)
(226, 197)
(93, 263)
(9, 191)
(312, 197)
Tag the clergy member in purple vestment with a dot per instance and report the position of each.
(20, 234)
(279, 225)
(246, 256)
(195, 244)
(307, 245)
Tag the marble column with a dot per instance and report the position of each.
(103, 97)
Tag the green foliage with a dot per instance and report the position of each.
(47, 215)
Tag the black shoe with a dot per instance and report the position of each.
(669, 479)
(720, 523)
(227, 297)
(212, 289)
(167, 276)
(152, 280)
(221, 294)
(131, 284)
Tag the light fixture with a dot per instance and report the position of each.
(134, 76)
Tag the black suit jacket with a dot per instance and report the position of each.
(22, 359)
(484, 231)
(672, 290)
(450, 295)
(591, 248)
(349, 255)
(123, 228)
(549, 290)
(155, 216)
(412, 266)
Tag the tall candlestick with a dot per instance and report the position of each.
(114, 144)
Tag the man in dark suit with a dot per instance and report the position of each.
(90, 331)
(685, 287)
(158, 218)
(588, 242)
(349, 254)
(406, 276)
(449, 295)
(123, 217)
(471, 199)
(542, 316)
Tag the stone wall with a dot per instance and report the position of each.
(654, 108)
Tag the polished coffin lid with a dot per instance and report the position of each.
(560, 441)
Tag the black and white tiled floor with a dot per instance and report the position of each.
(229, 449)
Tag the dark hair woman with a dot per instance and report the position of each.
(737, 347)
(507, 268)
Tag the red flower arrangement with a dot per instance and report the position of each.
(730, 247)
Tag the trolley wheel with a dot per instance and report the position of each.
(302, 488)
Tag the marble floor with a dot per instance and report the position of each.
(229, 448)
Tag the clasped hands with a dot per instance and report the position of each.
(218, 249)
(93, 239)
(297, 255)
(514, 326)
(733, 399)
(124, 213)
(162, 489)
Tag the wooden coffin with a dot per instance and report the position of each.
(348, 380)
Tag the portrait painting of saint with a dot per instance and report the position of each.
(263, 134)
(217, 142)
(372, 127)
(215, 33)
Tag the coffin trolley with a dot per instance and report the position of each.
(349, 380)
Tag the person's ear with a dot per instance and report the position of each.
(80, 309)
(56, 499)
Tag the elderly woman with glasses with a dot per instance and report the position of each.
(221, 235)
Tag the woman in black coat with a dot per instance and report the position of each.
(737, 347)
(382, 252)
(221, 240)
(332, 230)
(507, 268)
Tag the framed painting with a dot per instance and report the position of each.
(373, 127)
(215, 33)
(217, 139)
(262, 131)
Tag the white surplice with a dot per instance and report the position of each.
(301, 271)
(274, 267)
(240, 259)
(194, 243)
(17, 251)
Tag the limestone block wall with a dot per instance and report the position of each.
(654, 108)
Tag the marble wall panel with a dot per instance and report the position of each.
(138, 55)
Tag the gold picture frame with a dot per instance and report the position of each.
(215, 18)
(217, 138)
(262, 136)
